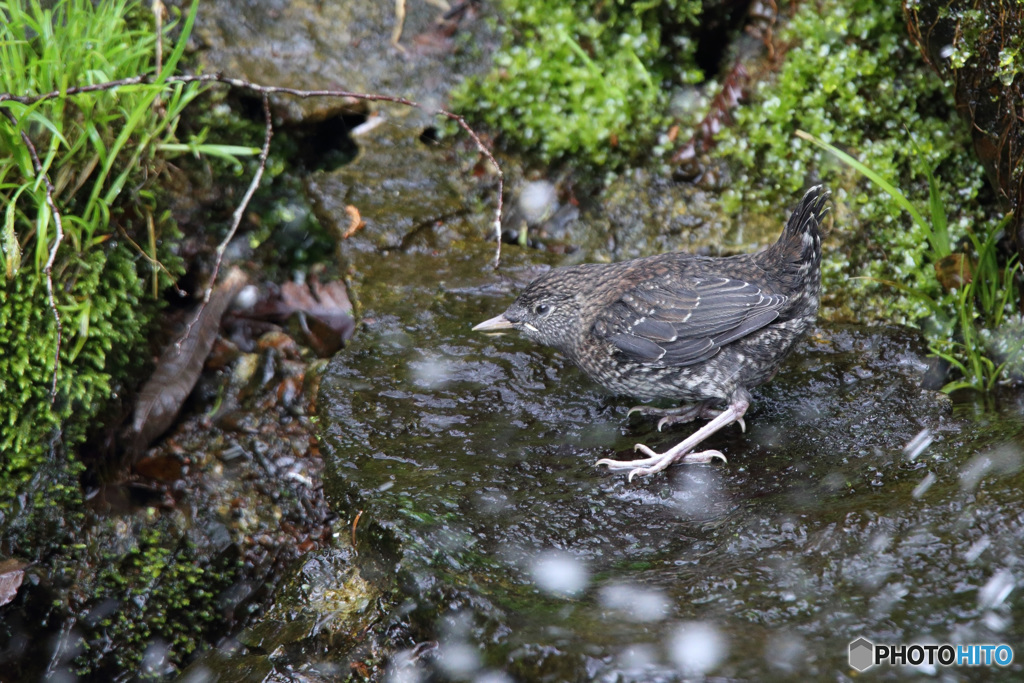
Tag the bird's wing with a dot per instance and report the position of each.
(683, 322)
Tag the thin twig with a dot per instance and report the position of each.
(152, 261)
(396, 32)
(236, 217)
(48, 269)
(301, 94)
(355, 523)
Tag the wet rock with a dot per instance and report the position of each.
(642, 213)
(407, 193)
(337, 45)
(325, 606)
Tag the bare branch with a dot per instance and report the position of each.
(236, 217)
(266, 90)
(236, 221)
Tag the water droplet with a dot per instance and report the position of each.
(925, 484)
(636, 603)
(697, 647)
(458, 659)
(916, 446)
(1004, 460)
(998, 588)
(538, 201)
(560, 573)
(404, 668)
(786, 652)
(977, 548)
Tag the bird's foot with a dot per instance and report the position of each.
(659, 461)
(679, 414)
(683, 413)
(656, 462)
(704, 412)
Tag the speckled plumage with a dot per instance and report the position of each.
(698, 329)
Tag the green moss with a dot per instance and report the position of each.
(853, 78)
(166, 597)
(39, 428)
(99, 151)
(589, 80)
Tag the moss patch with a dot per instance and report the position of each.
(852, 77)
(589, 80)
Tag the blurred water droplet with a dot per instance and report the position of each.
(697, 647)
(700, 495)
(637, 657)
(559, 573)
(925, 484)
(916, 446)
(996, 590)
(537, 201)
(404, 668)
(430, 373)
(886, 600)
(977, 548)
(879, 542)
(1005, 459)
(636, 603)
(458, 659)
(786, 652)
(995, 623)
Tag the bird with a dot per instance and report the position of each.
(697, 329)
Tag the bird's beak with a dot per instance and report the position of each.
(495, 324)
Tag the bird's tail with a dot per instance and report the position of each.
(800, 242)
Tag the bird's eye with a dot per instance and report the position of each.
(541, 309)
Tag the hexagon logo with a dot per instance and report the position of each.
(862, 654)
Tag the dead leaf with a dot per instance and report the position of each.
(953, 271)
(12, 573)
(355, 222)
(180, 365)
(318, 314)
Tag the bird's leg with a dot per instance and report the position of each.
(681, 452)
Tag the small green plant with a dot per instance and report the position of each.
(95, 158)
(984, 297)
(588, 80)
(984, 289)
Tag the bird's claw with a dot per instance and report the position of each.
(656, 462)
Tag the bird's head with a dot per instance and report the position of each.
(547, 312)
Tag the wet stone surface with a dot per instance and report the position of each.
(471, 459)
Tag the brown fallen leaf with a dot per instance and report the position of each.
(12, 573)
(954, 271)
(318, 314)
(179, 367)
(355, 222)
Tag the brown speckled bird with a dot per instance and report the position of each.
(698, 329)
